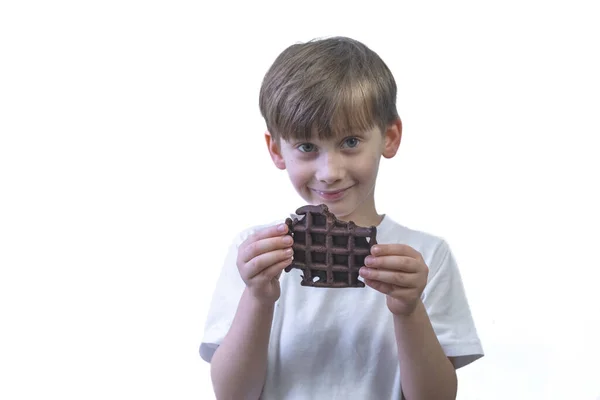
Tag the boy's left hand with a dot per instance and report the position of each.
(398, 271)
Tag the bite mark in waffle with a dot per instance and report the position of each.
(328, 251)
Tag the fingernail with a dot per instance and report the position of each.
(363, 271)
(281, 228)
(374, 250)
(287, 240)
(369, 259)
(289, 252)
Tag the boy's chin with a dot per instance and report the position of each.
(339, 209)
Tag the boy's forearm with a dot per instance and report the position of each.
(426, 373)
(239, 365)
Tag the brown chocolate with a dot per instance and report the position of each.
(328, 251)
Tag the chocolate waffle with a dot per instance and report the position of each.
(328, 251)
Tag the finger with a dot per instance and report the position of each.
(396, 263)
(258, 264)
(390, 290)
(275, 270)
(382, 287)
(395, 249)
(394, 278)
(267, 232)
(253, 249)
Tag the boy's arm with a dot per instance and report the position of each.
(239, 365)
(426, 372)
(400, 272)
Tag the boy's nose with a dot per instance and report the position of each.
(330, 169)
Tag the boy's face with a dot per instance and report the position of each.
(340, 172)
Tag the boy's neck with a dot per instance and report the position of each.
(366, 221)
(365, 215)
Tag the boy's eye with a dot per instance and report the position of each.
(351, 142)
(306, 147)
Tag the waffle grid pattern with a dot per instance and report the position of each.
(328, 251)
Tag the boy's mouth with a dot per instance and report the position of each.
(331, 194)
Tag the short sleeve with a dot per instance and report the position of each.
(224, 303)
(448, 309)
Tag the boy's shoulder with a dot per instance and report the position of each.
(434, 249)
(390, 231)
(244, 233)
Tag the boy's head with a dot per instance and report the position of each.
(330, 110)
(328, 87)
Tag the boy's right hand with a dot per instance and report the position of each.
(261, 259)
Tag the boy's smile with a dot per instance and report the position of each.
(340, 172)
(331, 195)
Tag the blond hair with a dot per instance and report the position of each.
(331, 87)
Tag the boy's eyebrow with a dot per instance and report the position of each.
(337, 139)
(300, 142)
(338, 136)
(357, 134)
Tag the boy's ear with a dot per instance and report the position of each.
(392, 138)
(274, 151)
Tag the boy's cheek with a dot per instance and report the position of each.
(298, 178)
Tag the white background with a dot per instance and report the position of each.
(131, 153)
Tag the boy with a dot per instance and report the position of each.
(330, 111)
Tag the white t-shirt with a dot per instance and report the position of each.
(331, 343)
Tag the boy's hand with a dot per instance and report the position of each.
(399, 272)
(261, 259)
